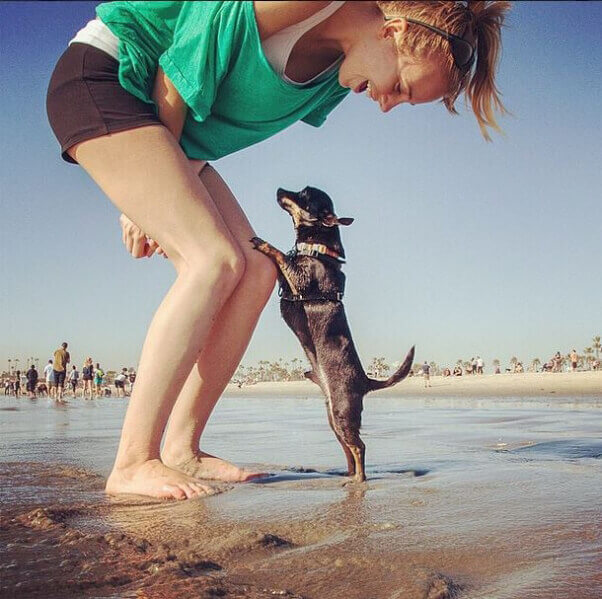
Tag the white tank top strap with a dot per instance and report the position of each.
(278, 47)
(97, 34)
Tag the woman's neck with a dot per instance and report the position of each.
(333, 37)
(346, 26)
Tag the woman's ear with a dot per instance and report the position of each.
(396, 25)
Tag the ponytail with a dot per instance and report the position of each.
(481, 89)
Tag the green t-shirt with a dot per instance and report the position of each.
(212, 53)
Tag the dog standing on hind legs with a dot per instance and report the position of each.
(311, 291)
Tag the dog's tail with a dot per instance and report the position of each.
(402, 372)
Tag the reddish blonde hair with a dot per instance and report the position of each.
(485, 19)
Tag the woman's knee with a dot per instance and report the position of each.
(259, 278)
(221, 266)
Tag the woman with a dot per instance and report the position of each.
(87, 376)
(99, 374)
(73, 380)
(198, 81)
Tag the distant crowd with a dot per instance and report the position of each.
(557, 363)
(60, 378)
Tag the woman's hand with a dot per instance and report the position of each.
(136, 241)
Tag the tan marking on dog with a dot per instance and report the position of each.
(300, 216)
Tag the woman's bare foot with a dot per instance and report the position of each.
(204, 465)
(155, 479)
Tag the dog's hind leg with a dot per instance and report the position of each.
(351, 464)
(347, 420)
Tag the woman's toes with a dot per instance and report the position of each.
(201, 489)
(188, 489)
(175, 491)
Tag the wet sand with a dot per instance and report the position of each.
(475, 498)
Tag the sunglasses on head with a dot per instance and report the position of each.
(462, 51)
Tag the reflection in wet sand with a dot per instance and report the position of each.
(459, 502)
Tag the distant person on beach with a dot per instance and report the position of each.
(132, 379)
(574, 358)
(32, 381)
(479, 365)
(49, 377)
(99, 374)
(457, 370)
(557, 362)
(149, 92)
(426, 374)
(87, 377)
(120, 381)
(74, 379)
(59, 366)
(17, 383)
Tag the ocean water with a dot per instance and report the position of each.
(502, 496)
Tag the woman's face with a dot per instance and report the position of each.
(375, 67)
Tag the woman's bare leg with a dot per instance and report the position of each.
(223, 351)
(148, 177)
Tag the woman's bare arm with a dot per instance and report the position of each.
(170, 106)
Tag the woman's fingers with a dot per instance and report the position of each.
(151, 247)
(155, 248)
(139, 243)
(134, 238)
(136, 241)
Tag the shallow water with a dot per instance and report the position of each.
(496, 498)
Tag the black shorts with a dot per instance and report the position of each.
(119, 385)
(59, 378)
(85, 99)
(31, 386)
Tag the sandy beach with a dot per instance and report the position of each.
(484, 487)
(536, 384)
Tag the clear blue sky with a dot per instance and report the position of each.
(458, 246)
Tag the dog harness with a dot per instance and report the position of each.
(314, 250)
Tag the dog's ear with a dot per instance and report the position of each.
(331, 220)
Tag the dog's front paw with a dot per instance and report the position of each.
(258, 243)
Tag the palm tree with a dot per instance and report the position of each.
(513, 363)
(589, 355)
(597, 345)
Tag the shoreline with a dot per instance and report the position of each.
(529, 384)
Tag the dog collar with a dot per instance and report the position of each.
(316, 249)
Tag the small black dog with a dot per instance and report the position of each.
(311, 290)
